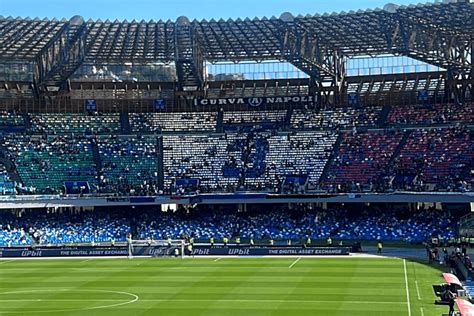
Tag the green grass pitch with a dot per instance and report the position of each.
(224, 286)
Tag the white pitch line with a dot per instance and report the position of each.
(269, 301)
(217, 259)
(422, 312)
(417, 290)
(204, 300)
(60, 300)
(406, 286)
(6, 261)
(294, 262)
(86, 260)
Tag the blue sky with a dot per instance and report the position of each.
(171, 9)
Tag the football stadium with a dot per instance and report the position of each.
(318, 164)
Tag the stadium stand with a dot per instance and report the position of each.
(236, 117)
(254, 159)
(361, 159)
(174, 122)
(142, 111)
(128, 165)
(431, 114)
(64, 227)
(7, 186)
(71, 123)
(437, 159)
(302, 154)
(336, 118)
(8, 119)
(198, 159)
(45, 163)
(275, 222)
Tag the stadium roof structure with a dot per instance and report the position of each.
(439, 34)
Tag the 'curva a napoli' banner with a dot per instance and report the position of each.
(257, 101)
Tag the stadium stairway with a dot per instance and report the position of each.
(398, 149)
(334, 152)
(289, 114)
(27, 120)
(9, 165)
(96, 155)
(220, 122)
(258, 158)
(125, 123)
(11, 170)
(383, 115)
(160, 163)
(467, 171)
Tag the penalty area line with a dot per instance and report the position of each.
(217, 259)
(294, 262)
(46, 300)
(267, 301)
(201, 300)
(406, 286)
(5, 261)
(417, 290)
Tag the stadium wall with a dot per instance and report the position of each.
(47, 201)
(160, 251)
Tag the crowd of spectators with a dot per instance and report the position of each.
(173, 122)
(67, 123)
(45, 163)
(293, 159)
(128, 165)
(11, 119)
(241, 117)
(335, 118)
(298, 154)
(188, 159)
(61, 227)
(431, 114)
(259, 222)
(436, 159)
(7, 185)
(361, 160)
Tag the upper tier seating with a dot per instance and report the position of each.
(344, 118)
(45, 164)
(439, 157)
(362, 157)
(7, 186)
(11, 120)
(431, 114)
(200, 157)
(129, 164)
(238, 117)
(303, 153)
(256, 153)
(177, 122)
(62, 123)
